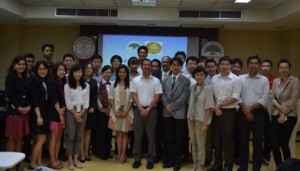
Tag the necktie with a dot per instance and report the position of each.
(107, 83)
(173, 83)
(164, 75)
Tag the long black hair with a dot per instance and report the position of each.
(16, 60)
(72, 81)
(56, 79)
(127, 82)
(36, 68)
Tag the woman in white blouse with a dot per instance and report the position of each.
(201, 103)
(77, 102)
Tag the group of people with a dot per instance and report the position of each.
(154, 107)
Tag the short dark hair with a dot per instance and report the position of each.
(268, 61)
(158, 61)
(47, 45)
(133, 60)
(28, 55)
(254, 57)
(68, 55)
(106, 67)
(177, 59)
(36, 68)
(199, 69)
(97, 57)
(202, 59)
(144, 61)
(180, 53)
(115, 57)
(237, 60)
(142, 47)
(191, 58)
(225, 58)
(284, 61)
(210, 61)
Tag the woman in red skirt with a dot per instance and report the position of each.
(17, 91)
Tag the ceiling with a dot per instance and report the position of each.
(258, 14)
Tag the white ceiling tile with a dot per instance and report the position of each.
(68, 2)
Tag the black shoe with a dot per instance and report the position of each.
(167, 165)
(215, 168)
(176, 168)
(136, 164)
(110, 156)
(265, 161)
(251, 161)
(88, 159)
(82, 160)
(149, 165)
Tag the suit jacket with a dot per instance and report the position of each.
(288, 96)
(177, 97)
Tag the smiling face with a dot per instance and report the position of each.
(106, 74)
(88, 71)
(253, 66)
(42, 71)
(200, 77)
(154, 67)
(61, 72)
(284, 69)
(20, 66)
(77, 75)
(266, 68)
(122, 74)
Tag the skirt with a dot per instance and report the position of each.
(17, 125)
(120, 124)
(56, 125)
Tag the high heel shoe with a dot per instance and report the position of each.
(29, 167)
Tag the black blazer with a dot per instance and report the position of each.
(17, 91)
(56, 94)
(38, 95)
(93, 93)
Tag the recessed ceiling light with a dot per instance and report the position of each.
(242, 1)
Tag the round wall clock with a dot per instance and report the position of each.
(84, 47)
(212, 50)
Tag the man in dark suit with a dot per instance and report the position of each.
(176, 89)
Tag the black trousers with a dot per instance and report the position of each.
(175, 134)
(223, 137)
(101, 136)
(267, 140)
(281, 134)
(257, 126)
(159, 132)
(237, 136)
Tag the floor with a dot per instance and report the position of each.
(99, 165)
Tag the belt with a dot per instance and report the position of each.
(134, 107)
(228, 109)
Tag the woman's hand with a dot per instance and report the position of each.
(91, 110)
(203, 129)
(281, 119)
(40, 121)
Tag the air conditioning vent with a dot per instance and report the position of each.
(86, 12)
(189, 14)
(231, 14)
(64, 11)
(210, 14)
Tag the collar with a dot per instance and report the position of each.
(166, 72)
(150, 77)
(230, 75)
(176, 76)
(257, 76)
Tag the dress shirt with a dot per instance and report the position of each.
(254, 89)
(97, 77)
(226, 87)
(189, 76)
(107, 85)
(77, 97)
(165, 74)
(208, 79)
(146, 88)
(176, 77)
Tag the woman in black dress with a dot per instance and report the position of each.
(90, 122)
(39, 118)
(57, 112)
(17, 121)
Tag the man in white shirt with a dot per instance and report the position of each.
(146, 90)
(254, 97)
(227, 88)
(191, 64)
(142, 54)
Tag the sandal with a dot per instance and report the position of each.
(71, 167)
(77, 165)
(55, 165)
